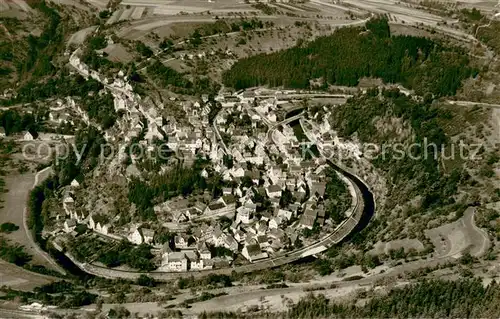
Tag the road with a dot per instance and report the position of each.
(472, 103)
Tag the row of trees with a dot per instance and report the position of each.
(15, 122)
(61, 293)
(352, 53)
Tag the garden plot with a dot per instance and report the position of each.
(138, 12)
(117, 52)
(126, 14)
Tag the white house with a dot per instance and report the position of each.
(230, 243)
(275, 222)
(69, 225)
(204, 252)
(253, 253)
(285, 214)
(147, 235)
(135, 237)
(27, 136)
(194, 260)
(243, 215)
(74, 183)
(274, 191)
(174, 261)
(68, 204)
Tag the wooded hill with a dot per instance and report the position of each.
(352, 53)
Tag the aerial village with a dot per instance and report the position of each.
(276, 201)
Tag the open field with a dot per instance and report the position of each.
(455, 238)
(100, 4)
(77, 38)
(118, 53)
(14, 203)
(406, 244)
(274, 300)
(14, 211)
(20, 279)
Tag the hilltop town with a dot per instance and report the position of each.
(272, 195)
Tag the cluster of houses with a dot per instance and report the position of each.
(276, 193)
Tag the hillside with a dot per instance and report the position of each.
(352, 53)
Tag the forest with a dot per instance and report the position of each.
(434, 185)
(337, 196)
(177, 181)
(61, 293)
(100, 107)
(352, 53)
(430, 299)
(464, 298)
(14, 122)
(32, 56)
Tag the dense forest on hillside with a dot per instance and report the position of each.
(32, 56)
(352, 53)
(429, 299)
(422, 167)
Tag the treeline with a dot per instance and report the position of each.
(31, 56)
(13, 253)
(15, 122)
(464, 298)
(428, 299)
(224, 26)
(179, 82)
(61, 293)
(42, 49)
(37, 215)
(352, 53)
(338, 197)
(89, 143)
(61, 85)
(489, 35)
(167, 76)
